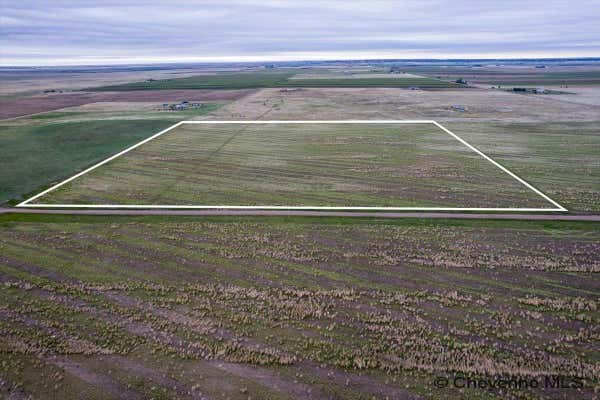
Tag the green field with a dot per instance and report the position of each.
(316, 165)
(560, 158)
(510, 76)
(271, 79)
(281, 308)
(288, 307)
(44, 148)
(35, 156)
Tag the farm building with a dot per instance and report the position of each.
(184, 105)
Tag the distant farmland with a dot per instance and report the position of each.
(249, 80)
(511, 76)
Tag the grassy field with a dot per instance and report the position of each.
(560, 158)
(550, 141)
(514, 76)
(44, 148)
(172, 307)
(271, 79)
(106, 307)
(300, 165)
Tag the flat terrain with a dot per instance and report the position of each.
(247, 80)
(16, 82)
(343, 165)
(550, 142)
(16, 107)
(287, 307)
(176, 307)
(515, 75)
(41, 149)
(352, 75)
(488, 215)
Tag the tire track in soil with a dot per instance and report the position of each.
(148, 332)
(76, 369)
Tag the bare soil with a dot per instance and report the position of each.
(10, 107)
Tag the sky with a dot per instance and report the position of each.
(84, 32)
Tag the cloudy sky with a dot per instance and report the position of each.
(57, 32)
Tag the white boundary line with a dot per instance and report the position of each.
(557, 206)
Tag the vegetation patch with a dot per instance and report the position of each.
(40, 150)
(249, 80)
(300, 165)
(368, 304)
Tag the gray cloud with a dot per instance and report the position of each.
(84, 32)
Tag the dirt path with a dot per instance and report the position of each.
(292, 213)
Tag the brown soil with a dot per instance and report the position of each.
(270, 379)
(10, 107)
(361, 383)
(10, 392)
(111, 387)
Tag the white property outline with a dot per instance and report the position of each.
(558, 207)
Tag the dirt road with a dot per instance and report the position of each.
(429, 215)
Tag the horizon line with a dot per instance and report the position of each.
(240, 60)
